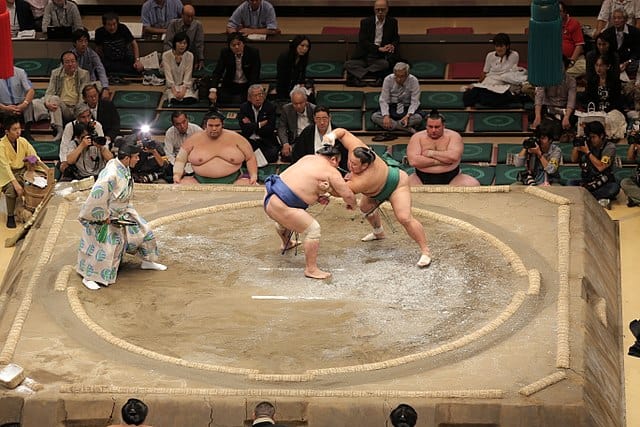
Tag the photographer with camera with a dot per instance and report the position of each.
(631, 185)
(85, 155)
(596, 156)
(540, 156)
(82, 114)
(153, 164)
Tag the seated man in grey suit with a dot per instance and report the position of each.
(295, 116)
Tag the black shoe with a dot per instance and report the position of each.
(634, 350)
(11, 221)
(377, 83)
(634, 327)
(383, 137)
(631, 203)
(355, 82)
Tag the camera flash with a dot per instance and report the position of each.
(145, 128)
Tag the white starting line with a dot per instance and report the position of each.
(282, 297)
(291, 269)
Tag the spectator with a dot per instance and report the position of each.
(153, 165)
(377, 48)
(85, 155)
(61, 98)
(556, 102)
(596, 157)
(61, 13)
(16, 97)
(103, 111)
(157, 14)
(292, 67)
(188, 24)
(134, 413)
(494, 89)
(403, 416)
(20, 16)
(83, 115)
(399, 103)
(264, 415)
(540, 156)
(253, 17)
(603, 48)
(89, 60)
(631, 185)
(572, 42)
(295, 116)
(257, 118)
(310, 139)
(37, 9)
(13, 151)
(603, 88)
(176, 135)
(436, 154)
(117, 47)
(177, 64)
(605, 17)
(238, 67)
(625, 40)
(108, 211)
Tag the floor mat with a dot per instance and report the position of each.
(465, 70)
(456, 121)
(137, 99)
(135, 118)
(379, 149)
(621, 153)
(497, 122)
(622, 173)
(504, 150)
(428, 69)
(340, 98)
(47, 150)
(205, 71)
(368, 123)
(204, 103)
(37, 67)
(325, 70)
(477, 152)
(350, 120)
(506, 174)
(399, 152)
(484, 174)
(441, 99)
(268, 71)
(569, 173)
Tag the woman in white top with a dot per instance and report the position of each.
(177, 64)
(498, 74)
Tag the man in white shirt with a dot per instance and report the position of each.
(176, 135)
(295, 116)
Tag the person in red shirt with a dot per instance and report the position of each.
(572, 43)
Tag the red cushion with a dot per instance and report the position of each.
(340, 30)
(465, 70)
(450, 30)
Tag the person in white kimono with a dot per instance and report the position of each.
(177, 64)
(112, 226)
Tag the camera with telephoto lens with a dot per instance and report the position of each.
(579, 141)
(530, 142)
(148, 143)
(147, 177)
(95, 138)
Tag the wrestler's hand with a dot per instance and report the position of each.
(177, 179)
(246, 120)
(253, 180)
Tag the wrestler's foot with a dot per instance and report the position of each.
(372, 236)
(424, 261)
(290, 245)
(316, 274)
(90, 284)
(149, 265)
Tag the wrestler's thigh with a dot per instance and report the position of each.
(401, 201)
(292, 218)
(367, 204)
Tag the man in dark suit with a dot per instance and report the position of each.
(263, 415)
(103, 111)
(21, 16)
(295, 116)
(310, 139)
(377, 49)
(239, 67)
(624, 39)
(257, 119)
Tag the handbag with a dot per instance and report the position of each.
(589, 116)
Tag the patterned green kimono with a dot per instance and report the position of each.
(102, 245)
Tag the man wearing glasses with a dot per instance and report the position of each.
(377, 48)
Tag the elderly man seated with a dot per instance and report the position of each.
(216, 156)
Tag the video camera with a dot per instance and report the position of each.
(149, 144)
(579, 141)
(95, 138)
(530, 142)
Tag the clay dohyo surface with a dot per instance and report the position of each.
(232, 312)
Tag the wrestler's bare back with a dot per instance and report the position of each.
(303, 178)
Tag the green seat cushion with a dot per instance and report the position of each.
(569, 172)
(137, 99)
(621, 153)
(566, 152)
(506, 174)
(268, 71)
(622, 173)
(37, 67)
(497, 122)
(47, 150)
(207, 70)
(379, 149)
(399, 152)
(135, 118)
(340, 98)
(505, 149)
(348, 119)
(372, 100)
(456, 121)
(441, 99)
(428, 69)
(325, 70)
(265, 171)
(369, 126)
(477, 152)
(203, 103)
(231, 119)
(39, 93)
(484, 174)
(163, 121)
(511, 105)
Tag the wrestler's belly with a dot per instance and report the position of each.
(439, 168)
(215, 168)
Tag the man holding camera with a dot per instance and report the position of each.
(153, 165)
(596, 157)
(540, 156)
